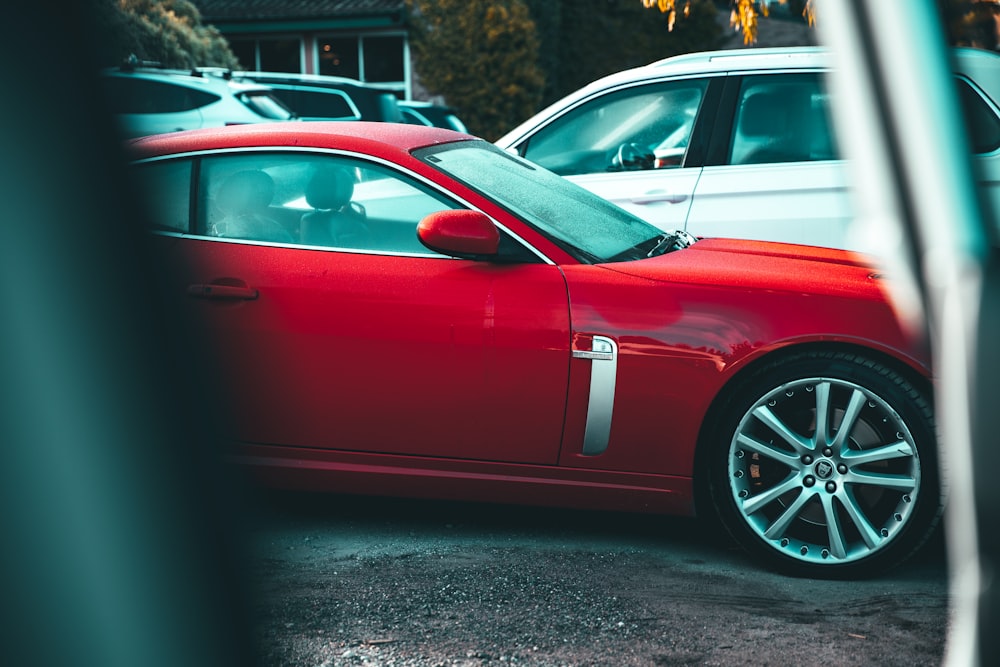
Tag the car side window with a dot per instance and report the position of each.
(314, 200)
(332, 104)
(642, 127)
(166, 189)
(138, 95)
(782, 118)
(981, 120)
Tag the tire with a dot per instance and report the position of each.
(849, 499)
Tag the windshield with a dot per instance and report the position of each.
(591, 229)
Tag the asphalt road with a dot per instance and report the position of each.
(352, 581)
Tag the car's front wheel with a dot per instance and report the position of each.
(824, 464)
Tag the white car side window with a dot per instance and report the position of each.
(782, 118)
(651, 124)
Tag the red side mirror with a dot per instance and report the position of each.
(461, 233)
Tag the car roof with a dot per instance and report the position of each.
(726, 60)
(385, 139)
(774, 58)
(193, 78)
(982, 66)
(306, 79)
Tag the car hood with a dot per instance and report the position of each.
(763, 265)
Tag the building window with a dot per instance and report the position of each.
(280, 55)
(338, 56)
(383, 58)
(375, 58)
(269, 55)
(245, 51)
(372, 58)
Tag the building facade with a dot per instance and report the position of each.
(360, 39)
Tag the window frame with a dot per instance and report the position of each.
(966, 83)
(518, 250)
(697, 138)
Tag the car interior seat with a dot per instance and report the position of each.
(773, 126)
(335, 220)
(243, 200)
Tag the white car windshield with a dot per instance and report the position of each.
(590, 228)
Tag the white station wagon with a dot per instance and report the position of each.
(732, 143)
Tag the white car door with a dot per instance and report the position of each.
(662, 197)
(793, 202)
(776, 176)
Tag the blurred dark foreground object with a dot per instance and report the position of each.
(118, 546)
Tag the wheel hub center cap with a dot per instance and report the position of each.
(824, 469)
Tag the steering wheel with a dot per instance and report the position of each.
(632, 157)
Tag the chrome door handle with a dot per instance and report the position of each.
(603, 354)
(658, 197)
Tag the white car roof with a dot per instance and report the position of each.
(757, 58)
(720, 62)
(982, 66)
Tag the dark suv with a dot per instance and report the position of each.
(319, 97)
(425, 113)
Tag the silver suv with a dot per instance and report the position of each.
(732, 143)
(152, 101)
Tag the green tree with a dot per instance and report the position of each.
(482, 57)
(169, 32)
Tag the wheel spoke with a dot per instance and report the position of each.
(822, 413)
(895, 482)
(833, 530)
(773, 422)
(767, 450)
(860, 521)
(897, 450)
(759, 501)
(851, 413)
(780, 525)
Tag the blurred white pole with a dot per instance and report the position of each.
(898, 116)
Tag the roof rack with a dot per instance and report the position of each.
(222, 72)
(133, 61)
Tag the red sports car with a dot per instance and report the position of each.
(405, 310)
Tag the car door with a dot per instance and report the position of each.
(773, 172)
(375, 344)
(636, 146)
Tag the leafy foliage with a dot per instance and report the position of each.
(742, 14)
(967, 22)
(499, 75)
(971, 22)
(482, 57)
(169, 32)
